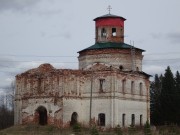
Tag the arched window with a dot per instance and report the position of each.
(132, 87)
(141, 119)
(103, 32)
(123, 119)
(133, 120)
(137, 68)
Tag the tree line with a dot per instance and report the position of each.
(165, 98)
(164, 101)
(7, 107)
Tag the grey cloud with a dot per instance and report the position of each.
(173, 37)
(17, 4)
(6, 62)
(7, 66)
(156, 35)
(65, 35)
(24, 6)
(49, 12)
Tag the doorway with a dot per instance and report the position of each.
(74, 118)
(42, 112)
(101, 119)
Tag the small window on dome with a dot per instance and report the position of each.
(120, 67)
(103, 32)
(113, 32)
(137, 68)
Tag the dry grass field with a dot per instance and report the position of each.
(50, 130)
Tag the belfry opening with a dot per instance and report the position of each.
(42, 115)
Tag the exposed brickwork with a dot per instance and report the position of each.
(112, 57)
(119, 37)
(59, 86)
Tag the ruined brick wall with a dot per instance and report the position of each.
(112, 57)
(62, 92)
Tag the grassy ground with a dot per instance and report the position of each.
(50, 130)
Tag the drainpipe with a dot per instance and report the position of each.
(112, 96)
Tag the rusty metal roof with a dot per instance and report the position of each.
(109, 16)
(110, 45)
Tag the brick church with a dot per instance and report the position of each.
(107, 90)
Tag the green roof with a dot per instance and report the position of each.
(110, 45)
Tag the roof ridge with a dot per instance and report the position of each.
(109, 15)
(108, 45)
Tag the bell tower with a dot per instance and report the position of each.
(109, 47)
(109, 28)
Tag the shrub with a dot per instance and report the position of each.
(131, 129)
(94, 131)
(147, 129)
(77, 128)
(118, 130)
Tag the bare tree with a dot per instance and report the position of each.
(7, 106)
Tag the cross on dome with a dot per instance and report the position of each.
(109, 9)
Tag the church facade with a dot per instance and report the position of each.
(107, 90)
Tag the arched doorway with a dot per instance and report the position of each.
(74, 118)
(41, 110)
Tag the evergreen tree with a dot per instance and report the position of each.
(177, 87)
(155, 91)
(167, 98)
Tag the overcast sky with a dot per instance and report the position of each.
(45, 31)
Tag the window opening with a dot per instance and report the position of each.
(133, 120)
(132, 87)
(123, 119)
(101, 82)
(103, 32)
(137, 68)
(39, 84)
(123, 85)
(101, 119)
(113, 32)
(120, 67)
(141, 118)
